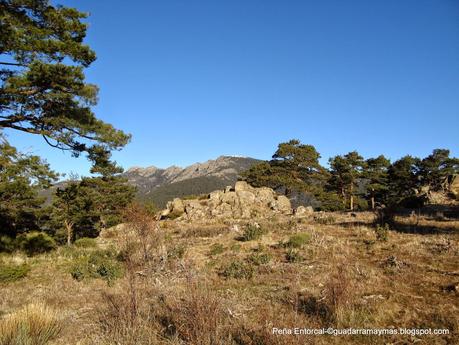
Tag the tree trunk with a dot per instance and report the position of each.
(69, 228)
(372, 202)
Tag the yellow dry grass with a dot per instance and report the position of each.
(34, 324)
(345, 278)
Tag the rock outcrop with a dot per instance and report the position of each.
(242, 201)
(304, 211)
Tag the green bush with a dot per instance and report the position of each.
(293, 255)
(298, 240)
(216, 249)
(382, 232)
(252, 232)
(86, 242)
(11, 273)
(98, 264)
(259, 258)
(34, 243)
(237, 270)
(7, 244)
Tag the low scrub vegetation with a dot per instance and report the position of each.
(97, 264)
(238, 270)
(382, 232)
(11, 272)
(86, 242)
(252, 233)
(298, 240)
(216, 249)
(293, 255)
(36, 243)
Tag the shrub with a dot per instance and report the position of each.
(238, 270)
(252, 232)
(293, 255)
(98, 264)
(11, 273)
(86, 242)
(382, 232)
(298, 240)
(35, 324)
(259, 258)
(36, 243)
(7, 244)
(216, 249)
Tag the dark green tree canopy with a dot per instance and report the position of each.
(404, 181)
(377, 178)
(294, 166)
(42, 84)
(21, 179)
(345, 171)
(435, 168)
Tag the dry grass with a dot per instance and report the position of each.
(173, 292)
(35, 324)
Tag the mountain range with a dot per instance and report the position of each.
(161, 185)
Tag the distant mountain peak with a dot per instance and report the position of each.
(198, 178)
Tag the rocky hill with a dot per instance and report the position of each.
(162, 185)
(241, 202)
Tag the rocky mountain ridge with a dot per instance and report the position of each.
(160, 185)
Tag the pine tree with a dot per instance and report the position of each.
(436, 168)
(376, 174)
(345, 173)
(42, 83)
(404, 180)
(294, 167)
(21, 178)
(85, 207)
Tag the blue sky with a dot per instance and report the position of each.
(192, 80)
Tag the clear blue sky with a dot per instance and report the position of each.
(192, 80)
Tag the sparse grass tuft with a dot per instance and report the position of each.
(216, 248)
(293, 256)
(238, 270)
(176, 252)
(35, 324)
(325, 219)
(200, 317)
(259, 258)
